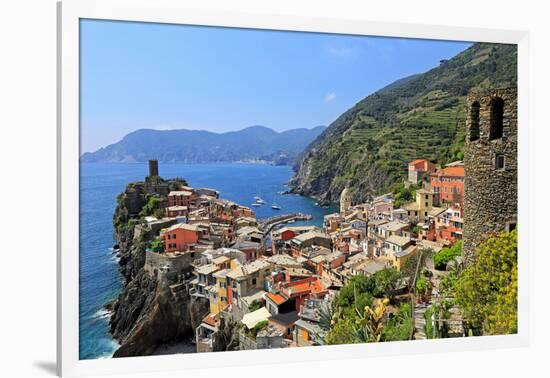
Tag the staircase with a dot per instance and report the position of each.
(419, 321)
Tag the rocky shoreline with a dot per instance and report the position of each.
(148, 314)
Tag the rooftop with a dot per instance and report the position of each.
(398, 240)
(285, 318)
(394, 226)
(311, 235)
(406, 251)
(253, 318)
(278, 299)
(183, 226)
(180, 193)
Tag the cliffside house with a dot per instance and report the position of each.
(181, 198)
(180, 237)
(418, 169)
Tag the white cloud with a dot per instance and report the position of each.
(330, 97)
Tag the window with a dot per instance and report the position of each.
(474, 121)
(499, 161)
(253, 281)
(426, 196)
(425, 213)
(497, 118)
(511, 226)
(451, 189)
(426, 204)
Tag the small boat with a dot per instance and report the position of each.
(255, 204)
(274, 205)
(260, 201)
(257, 198)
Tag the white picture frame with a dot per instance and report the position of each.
(172, 11)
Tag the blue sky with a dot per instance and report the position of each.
(144, 75)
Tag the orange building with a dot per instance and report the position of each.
(418, 169)
(448, 184)
(179, 236)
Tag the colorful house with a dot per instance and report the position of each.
(418, 169)
(448, 183)
(180, 237)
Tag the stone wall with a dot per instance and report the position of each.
(168, 266)
(490, 194)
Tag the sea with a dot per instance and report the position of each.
(100, 183)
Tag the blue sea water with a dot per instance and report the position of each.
(100, 183)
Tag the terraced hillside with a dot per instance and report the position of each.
(422, 116)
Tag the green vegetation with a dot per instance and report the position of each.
(403, 194)
(447, 254)
(399, 325)
(357, 311)
(255, 306)
(253, 332)
(487, 290)
(154, 206)
(157, 245)
(368, 147)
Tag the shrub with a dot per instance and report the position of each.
(443, 257)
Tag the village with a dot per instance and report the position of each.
(270, 283)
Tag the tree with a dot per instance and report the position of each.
(487, 289)
(447, 254)
(157, 245)
(386, 283)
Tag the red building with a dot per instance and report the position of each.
(180, 236)
(448, 184)
(180, 198)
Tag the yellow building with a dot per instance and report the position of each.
(419, 210)
(400, 258)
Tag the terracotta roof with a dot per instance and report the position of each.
(210, 320)
(278, 299)
(303, 286)
(457, 171)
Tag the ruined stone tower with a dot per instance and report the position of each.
(345, 200)
(491, 168)
(153, 168)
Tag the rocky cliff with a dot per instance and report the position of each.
(422, 116)
(148, 313)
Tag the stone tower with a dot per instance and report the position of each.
(345, 200)
(490, 164)
(153, 168)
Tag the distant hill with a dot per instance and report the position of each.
(421, 116)
(195, 146)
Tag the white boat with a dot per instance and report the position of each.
(260, 201)
(274, 205)
(255, 204)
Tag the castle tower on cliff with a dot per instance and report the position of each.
(491, 167)
(153, 168)
(345, 200)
